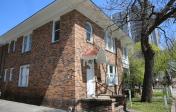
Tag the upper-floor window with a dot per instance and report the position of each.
(109, 43)
(27, 43)
(11, 46)
(89, 32)
(56, 31)
(125, 52)
(23, 76)
(111, 75)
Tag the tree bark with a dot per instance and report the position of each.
(148, 76)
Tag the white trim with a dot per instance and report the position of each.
(110, 74)
(5, 75)
(14, 46)
(9, 46)
(28, 44)
(53, 31)
(11, 74)
(91, 32)
(25, 67)
(112, 42)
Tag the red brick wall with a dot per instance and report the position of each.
(51, 64)
(81, 45)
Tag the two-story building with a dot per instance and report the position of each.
(67, 55)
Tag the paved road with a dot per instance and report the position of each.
(9, 106)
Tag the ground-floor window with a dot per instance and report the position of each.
(5, 75)
(23, 76)
(111, 75)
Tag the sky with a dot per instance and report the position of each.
(13, 12)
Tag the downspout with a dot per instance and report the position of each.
(116, 49)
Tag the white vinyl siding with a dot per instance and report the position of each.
(109, 43)
(27, 43)
(23, 76)
(111, 75)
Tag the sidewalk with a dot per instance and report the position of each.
(173, 108)
(9, 106)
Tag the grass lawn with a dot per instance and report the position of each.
(157, 104)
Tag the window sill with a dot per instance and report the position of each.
(22, 86)
(55, 42)
(90, 42)
(26, 53)
(112, 85)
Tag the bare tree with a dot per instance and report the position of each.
(151, 14)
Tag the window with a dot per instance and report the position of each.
(11, 46)
(23, 76)
(11, 74)
(109, 43)
(89, 35)
(27, 43)
(56, 31)
(111, 75)
(125, 52)
(5, 75)
(14, 45)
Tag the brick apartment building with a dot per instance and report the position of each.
(64, 57)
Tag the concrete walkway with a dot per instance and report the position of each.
(9, 106)
(173, 108)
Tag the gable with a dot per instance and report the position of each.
(53, 12)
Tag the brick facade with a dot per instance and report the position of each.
(57, 76)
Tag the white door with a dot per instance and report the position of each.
(90, 79)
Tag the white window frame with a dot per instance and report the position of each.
(11, 74)
(14, 46)
(125, 52)
(5, 75)
(26, 47)
(114, 74)
(9, 47)
(53, 31)
(20, 81)
(90, 32)
(112, 45)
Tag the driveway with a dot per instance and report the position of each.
(9, 106)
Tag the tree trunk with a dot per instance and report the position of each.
(148, 76)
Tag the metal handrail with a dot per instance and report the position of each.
(105, 87)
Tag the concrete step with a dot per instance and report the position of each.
(103, 97)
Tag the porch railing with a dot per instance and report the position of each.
(98, 83)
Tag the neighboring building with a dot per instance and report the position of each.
(60, 57)
(133, 28)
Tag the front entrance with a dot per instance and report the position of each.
(90, 79)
